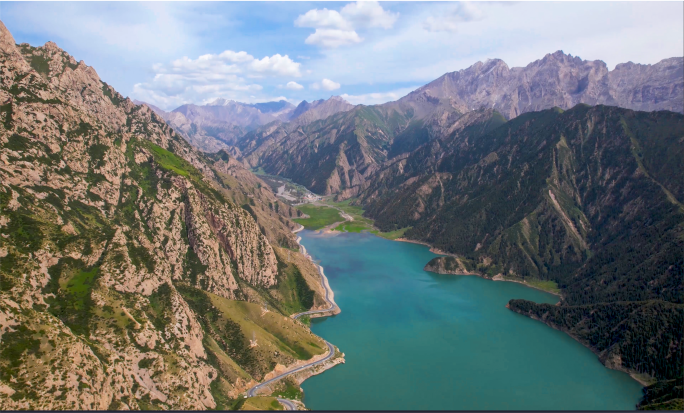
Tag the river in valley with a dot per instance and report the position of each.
(418, 340)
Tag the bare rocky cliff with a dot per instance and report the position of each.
(123, 250)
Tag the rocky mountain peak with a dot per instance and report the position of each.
(6, 39)
(220, 102)
(306, 112)
(558, 79)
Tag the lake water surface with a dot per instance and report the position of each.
(418, 340)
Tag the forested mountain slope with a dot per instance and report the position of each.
(590, 198)
(124, 250)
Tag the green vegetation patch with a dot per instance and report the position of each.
(392, 235)
(261, 403)
(40, 64)
(361, 223)
(288, 390)
(352, 226)
(71, 282)
(14, 347)
(25, 231)
(170, 161)
(294, 288)
(271, 329)
(549, 286)
(18, 143)
(113, 97)
(319, 216)
(79, 287)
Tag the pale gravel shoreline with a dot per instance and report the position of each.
(324, 280)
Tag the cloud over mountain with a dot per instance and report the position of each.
(293, 86)
(462, 12)
(325, 84)
(228, 74)
(335, 29)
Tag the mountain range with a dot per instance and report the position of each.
(367, 136)
(221, 123)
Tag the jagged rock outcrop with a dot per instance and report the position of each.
(121, 248)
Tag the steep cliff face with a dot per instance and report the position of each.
(326, 156)
(121, 253)
(540, 194)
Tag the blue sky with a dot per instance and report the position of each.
(174, 53)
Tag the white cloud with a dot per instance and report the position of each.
(335, 29)
(293, 86)
(368, 14)
(378, 98)
(276, 65)
(325, 84)
(323, 19)
(212, 76)
(463, 12)
(332, 38)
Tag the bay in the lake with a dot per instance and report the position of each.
(418, 340)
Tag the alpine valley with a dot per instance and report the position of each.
(143, 265)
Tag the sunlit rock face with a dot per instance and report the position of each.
(109, 221)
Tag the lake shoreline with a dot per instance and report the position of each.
(634, 375)
(440, 325)
(498, 277)
(329, 293)
(314, 367)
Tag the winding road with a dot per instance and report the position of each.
(331, 349)
(331, 353)
(287, 404)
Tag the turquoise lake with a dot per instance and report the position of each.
(418, 340)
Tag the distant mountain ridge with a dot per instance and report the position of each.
(220, 123)
(559, 80)
(306, 112)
